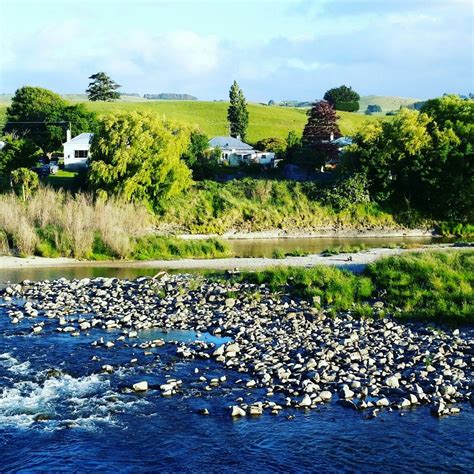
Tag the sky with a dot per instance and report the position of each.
(278, 49)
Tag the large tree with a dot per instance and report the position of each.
(318, 131)
(103, 88)
(413, 162)
(343, 98)
(17, 153)
(43, 117)
(237, 114)
(138, 156)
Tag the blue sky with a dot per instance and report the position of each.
(274, 49)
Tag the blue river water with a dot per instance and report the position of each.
(60, 412)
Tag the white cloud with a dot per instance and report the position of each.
(296, 63)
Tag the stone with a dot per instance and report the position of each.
(392, 382)
(236, 411)
(382, 402)
(325, 395)
(346, 393)
(305, 402)
(140, 386)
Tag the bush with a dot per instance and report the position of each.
(347, 106)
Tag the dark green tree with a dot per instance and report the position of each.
(103, 88)
(237, 113)
(17, 153)
(318, 131)
(343, 98)
(43, 117)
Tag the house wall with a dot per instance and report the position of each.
(73, 163)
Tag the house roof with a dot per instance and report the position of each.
(342, 141)
(82, 139)
(229, 143)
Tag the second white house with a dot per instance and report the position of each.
(235, 152)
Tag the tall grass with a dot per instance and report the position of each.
(54, 223)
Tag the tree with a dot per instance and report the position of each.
(24, 182)
(412, 162)
(138, 156)
(17, 153)
(318, 131)
(343, 98)
(373, 109)
(43, 117)
(237, 113)
(102, 87)
(272, 144)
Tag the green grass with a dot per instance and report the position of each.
(428, 286)
(387, 103)
(169, 248)
(68, 180)
(336, 250)
(211, 117)
(435, 286)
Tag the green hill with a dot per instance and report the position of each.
(387, 103)
(211, 117)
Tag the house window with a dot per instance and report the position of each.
(226, 155)
(264, 157)
(80, 153)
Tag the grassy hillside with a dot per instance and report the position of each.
(211, 117)
(387, 103)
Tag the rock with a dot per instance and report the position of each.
(382, 402)
(255, 410)
(140, 386)
(305, 402)
(438, 409)
(392, 382)
(251, 384)
(236, 411)
(448, 390)
(325, 395)
(346, 393)
(230, 302)
(37, 329)
(107, 368)
(204, 411)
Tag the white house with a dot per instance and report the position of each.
(76, 150)
(235, 152)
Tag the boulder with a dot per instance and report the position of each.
(140, 386)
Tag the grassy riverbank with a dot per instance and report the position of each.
(430, 286)
(252, 205)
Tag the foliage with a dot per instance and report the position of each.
(456, 229)
(237, 113)
(347, 106)
(260, 204)
(421, 161)
(321, 125)
(24, 182)
(202, 161)
(343, 98)
(17, 153)
(103, 88)
(373, 109)
(346, 192)
(433, 286)
(272, 144)
(43, 116)
(138, 156)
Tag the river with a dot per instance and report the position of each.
(59, 412)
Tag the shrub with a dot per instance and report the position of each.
(347, 106)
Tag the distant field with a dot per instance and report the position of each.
(211, 117)
(387, 103)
